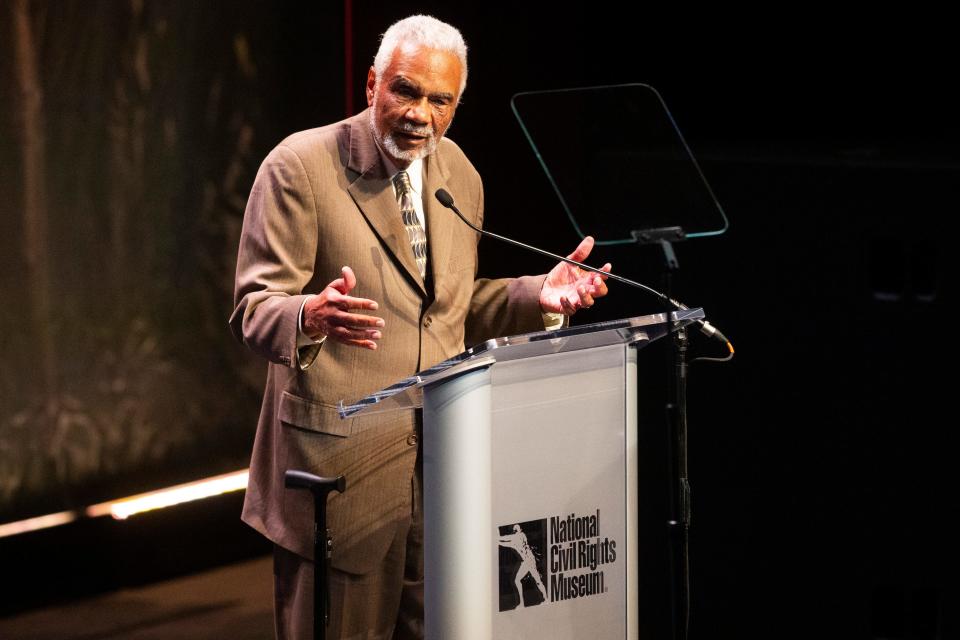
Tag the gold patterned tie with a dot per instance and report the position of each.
(418, 239)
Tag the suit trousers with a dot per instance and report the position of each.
(385, 604)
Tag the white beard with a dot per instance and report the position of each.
(389, 144)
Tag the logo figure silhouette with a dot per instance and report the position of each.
(528, 562)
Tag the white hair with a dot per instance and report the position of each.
(425, 31)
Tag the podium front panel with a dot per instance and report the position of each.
(540, 542)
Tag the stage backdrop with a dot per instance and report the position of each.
(131, 135)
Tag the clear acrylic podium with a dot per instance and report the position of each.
(530, 482)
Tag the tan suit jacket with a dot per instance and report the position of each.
(322, 199)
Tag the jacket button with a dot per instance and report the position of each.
(427, 322)
(412, 439)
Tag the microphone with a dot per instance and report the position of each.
(444, 197)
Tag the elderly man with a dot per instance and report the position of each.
(350, 276)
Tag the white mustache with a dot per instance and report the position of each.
(407, 127)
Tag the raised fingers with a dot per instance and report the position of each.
(359, 337)
(346, 282)
(355, 329)
(357, 320)
(346, 303)
(586, 299)
(583, 250)
(599, 287)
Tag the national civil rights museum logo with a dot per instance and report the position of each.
(552, 560)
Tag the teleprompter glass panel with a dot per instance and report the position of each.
(618, 162)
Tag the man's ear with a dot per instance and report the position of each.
(371, 85)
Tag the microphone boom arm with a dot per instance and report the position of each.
(705, 327)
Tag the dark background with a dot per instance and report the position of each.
(820, 457)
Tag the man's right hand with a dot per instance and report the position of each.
(329, 314)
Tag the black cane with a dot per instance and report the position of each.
(322, 542)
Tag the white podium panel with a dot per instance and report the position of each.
(561, 486)
(457, 508)
(531, 472)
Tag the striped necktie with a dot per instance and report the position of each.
(418, 239)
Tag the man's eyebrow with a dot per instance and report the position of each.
(401, 81)
(443, 95)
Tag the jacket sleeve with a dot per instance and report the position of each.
(276, 259)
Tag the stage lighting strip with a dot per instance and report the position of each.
(35, 524)
(125, 507)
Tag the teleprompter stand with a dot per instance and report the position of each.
(678, 522)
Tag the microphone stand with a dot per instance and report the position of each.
(678, 522)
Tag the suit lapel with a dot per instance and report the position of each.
(441, 224)
(373, 193)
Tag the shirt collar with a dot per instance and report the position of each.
(415, 171)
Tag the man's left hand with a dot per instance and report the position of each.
(569, 288)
